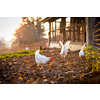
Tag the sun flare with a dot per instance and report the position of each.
(8, 26)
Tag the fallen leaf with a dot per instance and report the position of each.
(82, 75)
(52, 79)
(15, 62)
(20, 78)
(63, 77)
(70, 62)
(74, 65)
(38, 79)
(66, 69)
(28, 61)
(31, 79)
(22, 72)
(43, 77)
(4, 59)
(28, 81)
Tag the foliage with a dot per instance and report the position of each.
(29, 31)
(3, 45)
(93, 57)
(18, 54)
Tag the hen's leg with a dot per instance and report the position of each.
(43, 69)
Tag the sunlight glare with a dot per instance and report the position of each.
(8, 26)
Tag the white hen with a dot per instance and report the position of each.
(41, 59)
(27, 48)
(64, 49)
(81, 53)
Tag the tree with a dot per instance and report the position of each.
(29, 31)
(2, 41)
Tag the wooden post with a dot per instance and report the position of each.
(52, 32)
(55, 30)
(63, 30)
(49, 34)
(70, 30)
(73, 30)
(89, 34)
(70, 33)
(78, 31)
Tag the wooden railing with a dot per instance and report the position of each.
(71, 29)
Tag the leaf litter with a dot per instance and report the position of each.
(71, 70)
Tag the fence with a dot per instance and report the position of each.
(34, 45)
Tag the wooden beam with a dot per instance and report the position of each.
(78, 31)
(49, 34)
(52, 32)
(63, 30)
(55, 30)
(73, 29)
(89, 31)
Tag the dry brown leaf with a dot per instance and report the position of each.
(28, 81)
(74, 65)
(22, 72)
(70, 62)
(15, 62)
(38, 79)
(20, 78)
(66, 69)
(43, 77)
(82, 75)
(31, 79)
(4, 59)
(52, 79)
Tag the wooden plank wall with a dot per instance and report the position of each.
(96, 31)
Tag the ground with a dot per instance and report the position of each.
(71, 70)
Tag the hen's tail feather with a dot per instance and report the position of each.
(67, 44)
(61, 43)
(83, 46)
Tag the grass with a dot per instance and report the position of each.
(18, 54)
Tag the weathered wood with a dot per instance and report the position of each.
(52, 32)
(97, 35)
(63, 30)
(73, 29)
(89, 31)
(49, 34)
(70, 33)
(78, 30)
(70, 26)
(55, 30)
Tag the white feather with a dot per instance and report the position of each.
(61, 43)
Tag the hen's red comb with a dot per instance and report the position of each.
(52, 58)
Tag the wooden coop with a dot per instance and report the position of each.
(76, 29)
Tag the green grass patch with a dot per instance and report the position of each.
(18, 54)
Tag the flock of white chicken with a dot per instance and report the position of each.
(41, 59)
